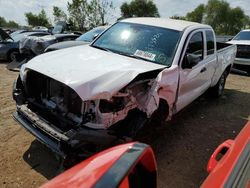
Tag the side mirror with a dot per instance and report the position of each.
(95, 36)
(190, 60)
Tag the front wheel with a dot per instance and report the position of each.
(218, 89)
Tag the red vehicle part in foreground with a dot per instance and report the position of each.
(233, 169)
(128, 165)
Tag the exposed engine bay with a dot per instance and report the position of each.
(64, 108)
(60, 105)
(56, 109)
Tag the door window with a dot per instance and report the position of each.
(194, 52)
(195, 46)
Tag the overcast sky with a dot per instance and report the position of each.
(15, 9)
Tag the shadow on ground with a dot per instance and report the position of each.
(41, 159)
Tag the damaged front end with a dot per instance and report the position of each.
(56, 115)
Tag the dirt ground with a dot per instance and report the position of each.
(182, 147)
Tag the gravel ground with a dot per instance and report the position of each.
(182, 147)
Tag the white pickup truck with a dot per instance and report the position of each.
(139, 70)
(242, 59)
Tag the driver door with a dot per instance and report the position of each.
(193, 76)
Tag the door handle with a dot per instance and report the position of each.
(203, 69)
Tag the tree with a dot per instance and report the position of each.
(246, 22)
(99, 11)
(40, 19)
(94, 17)
(197, 14)
(106, 7)
(8, 24)
(12, 24)
(219, 14)
(2, 22)
(78, 13)
(139, 8)
(236, 21)
(177, 17)
(59, 14)
(85, 14)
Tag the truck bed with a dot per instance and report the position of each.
(225, 56)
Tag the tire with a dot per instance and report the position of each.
(137, 121)
(12, 55)
(160, 114)
(248, 73)
(218, 89)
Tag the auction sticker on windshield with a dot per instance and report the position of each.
(145, 55)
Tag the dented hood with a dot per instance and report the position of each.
(91, 72)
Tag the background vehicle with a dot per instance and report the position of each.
(140, 70)
(37, 45)
(40, 28)
(86, 38)
(229, 165)
(18, 32)
(31, 46)
(9, 46)
(242, 60)
(130, 165)
(61, 27)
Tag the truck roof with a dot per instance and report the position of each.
(179, 25)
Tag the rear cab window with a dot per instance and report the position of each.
(210, 42)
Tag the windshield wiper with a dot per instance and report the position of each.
(101, 48)
(124, 54)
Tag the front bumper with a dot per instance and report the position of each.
(52, 144)
(64, 143)
(241, 66)
(242, 61)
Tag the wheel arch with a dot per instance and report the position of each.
(228, 69)
(10, 51)
(163, 108)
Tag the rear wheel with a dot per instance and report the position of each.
(218, 89)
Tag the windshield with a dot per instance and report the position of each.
(149, 43)
(243, 35)
(19, 36)
(57, 29)
(88, 37)
(16, 32)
